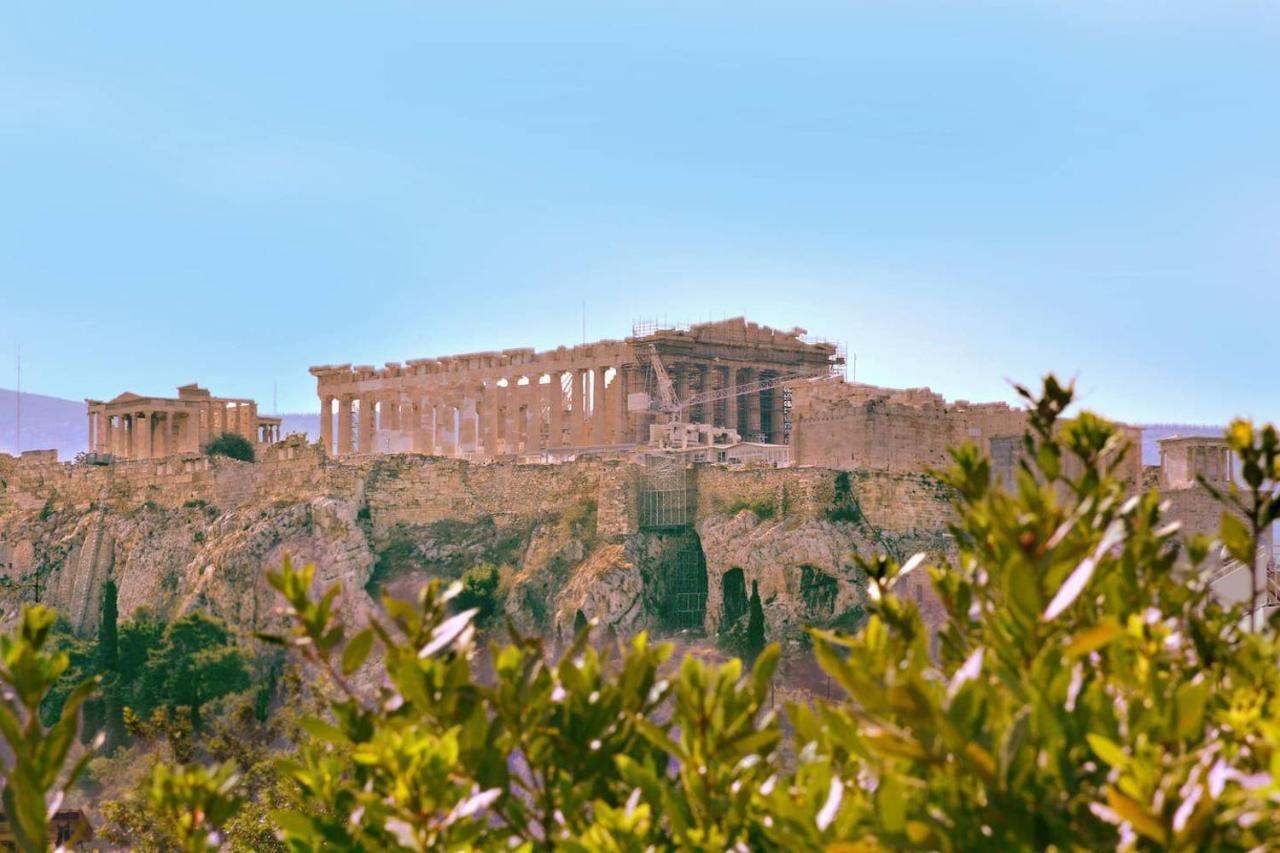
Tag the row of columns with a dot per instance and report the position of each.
(157, 432)
(755, 415)
(524, 413)
(532, 413)
(143, 435)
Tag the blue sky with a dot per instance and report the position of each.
(964, 193)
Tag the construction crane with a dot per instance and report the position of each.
(668, 404)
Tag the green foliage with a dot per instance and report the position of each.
(32, 764)
(480, 592)
(108, 629)
(1088, 691)
(175, 809)
(232, 445)
(763, 508)
(755, 623)
(580, 518)
(844, 505)
(195, 662)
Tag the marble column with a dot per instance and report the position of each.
(366, 424)
(555, 405)
(776, 434)
(490, 427)
(391, 412)
(536, 400)
(752, 401)
(680, 379)
(326, 423)
(579, 403)
(730, 385)
(697, 379)
(443, 429)
(513, 397)
(344, 425)
(141, 436)
(599, 431)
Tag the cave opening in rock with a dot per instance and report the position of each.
(733, 587)
(818, 589)
(682, 579)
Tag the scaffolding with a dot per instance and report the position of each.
(688, 591)
(664, 492)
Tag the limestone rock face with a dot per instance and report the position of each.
(607, 587)
(553, 553)
(172, 561)
(805, 571)
(184, 534)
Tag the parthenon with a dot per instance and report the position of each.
(596, 396)
(131, 426)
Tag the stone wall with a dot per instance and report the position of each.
(839, 425)
(890, 501)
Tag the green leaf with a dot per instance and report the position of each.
(891, 803)
(1107, 749)
(1131, 810)
(1236, 538)
(1094, 638)
(323, 731)
(356, 651)
(1190, 701)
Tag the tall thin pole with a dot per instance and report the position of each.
(584, 321)
(17, 421)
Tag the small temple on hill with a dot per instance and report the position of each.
(132, 426)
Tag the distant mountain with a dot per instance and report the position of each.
(51, 423)
(308, 423)
(48, 423)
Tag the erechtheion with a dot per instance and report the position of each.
(132, 426)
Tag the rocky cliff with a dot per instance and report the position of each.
(192, 533)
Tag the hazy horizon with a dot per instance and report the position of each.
(962, 196)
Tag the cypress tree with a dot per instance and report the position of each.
(108, 636)
(755, 622)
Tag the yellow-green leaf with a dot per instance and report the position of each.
(356, 651)
(1107, 749)
(1133, 811)
(1093, 638)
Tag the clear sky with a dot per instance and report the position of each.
(964, 193)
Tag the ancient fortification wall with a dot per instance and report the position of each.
(840, 425)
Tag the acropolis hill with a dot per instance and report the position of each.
(646, 482)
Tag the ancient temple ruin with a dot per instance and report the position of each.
(598, 396)
(131, 426)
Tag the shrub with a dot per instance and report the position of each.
(763, 508)
(480, 591)
(232, 445)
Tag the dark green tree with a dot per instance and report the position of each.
(580, 623)
(137, 638)
(755, 623)
(108, 630)
(480, 590)
(232, 445)
(196, 662)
